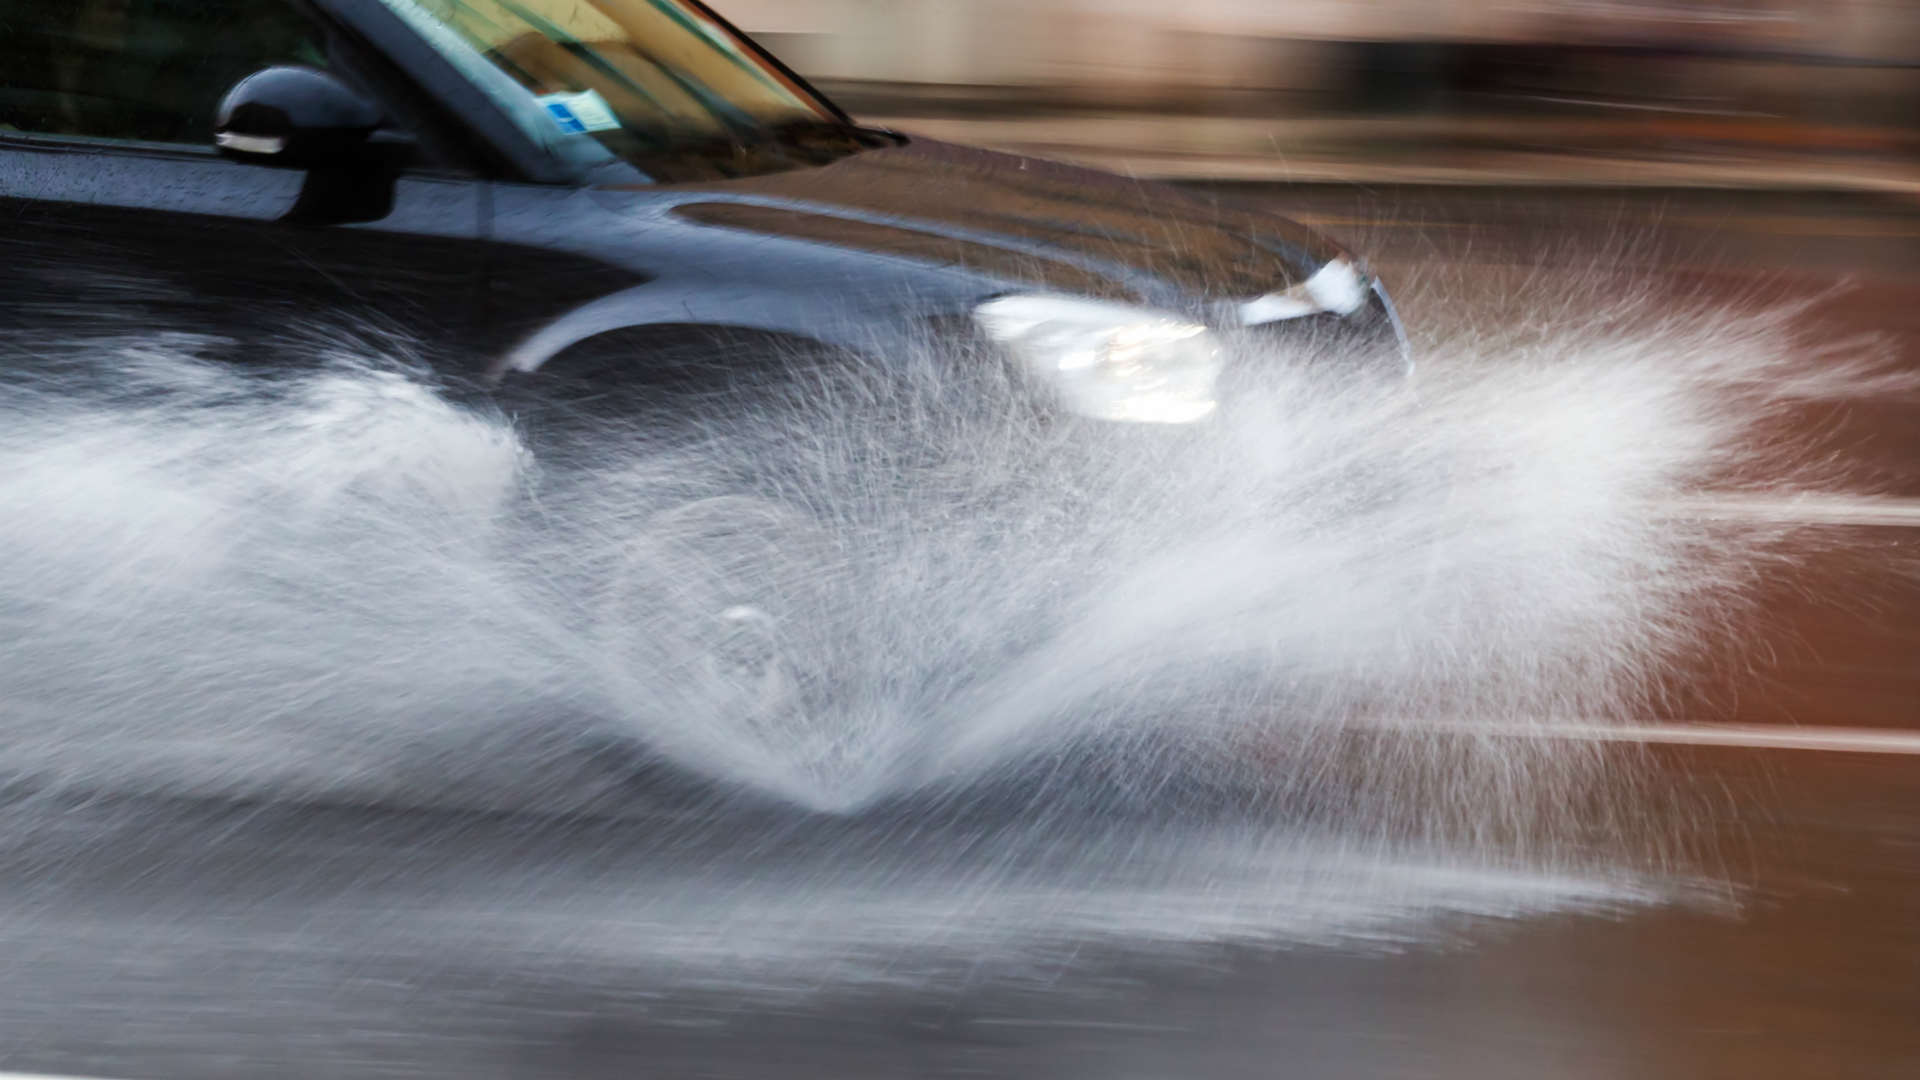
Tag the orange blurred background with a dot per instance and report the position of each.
(1740, 92)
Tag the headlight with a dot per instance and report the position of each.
(1339, 287)
(1108, 360)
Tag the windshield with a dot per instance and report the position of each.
(659, 83)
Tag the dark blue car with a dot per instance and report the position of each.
(579, 191)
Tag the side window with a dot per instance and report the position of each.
(145, 70)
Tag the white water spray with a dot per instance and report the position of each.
(872, 588)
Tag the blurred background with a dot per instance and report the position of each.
(1739, 92)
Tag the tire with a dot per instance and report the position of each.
(718, 616)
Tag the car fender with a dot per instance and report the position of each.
(832, 320)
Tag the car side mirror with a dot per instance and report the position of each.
(296, 118)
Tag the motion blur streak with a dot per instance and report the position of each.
(1845, 740)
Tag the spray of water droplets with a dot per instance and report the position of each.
(892, 582)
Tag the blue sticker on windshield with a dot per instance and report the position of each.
(578, 114)
(569, 123)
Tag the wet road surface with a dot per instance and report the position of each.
(1779, 936)
(237, 943)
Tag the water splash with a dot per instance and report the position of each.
(880, 584)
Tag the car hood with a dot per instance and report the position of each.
(1020, 220)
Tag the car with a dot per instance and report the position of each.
(592, 193)
(590, 206)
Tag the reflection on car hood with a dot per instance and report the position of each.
(1020, 219)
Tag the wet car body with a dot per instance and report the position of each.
(499, 254)
(441, 222)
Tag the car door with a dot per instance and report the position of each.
(118, 217)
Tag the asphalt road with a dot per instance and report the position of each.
(1775, 933)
